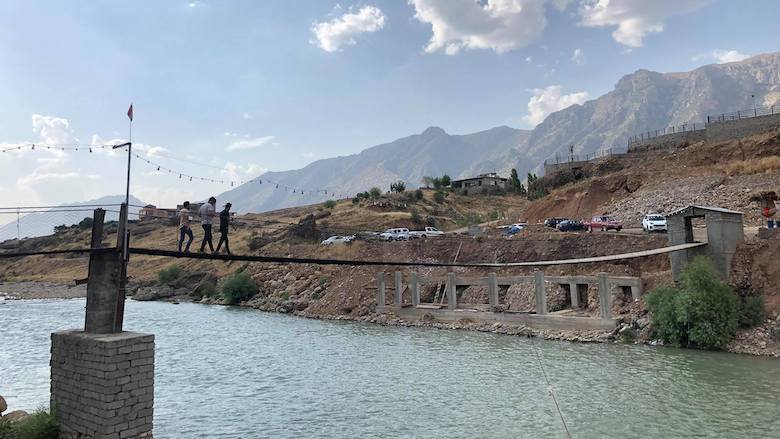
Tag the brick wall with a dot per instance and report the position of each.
(102, 385)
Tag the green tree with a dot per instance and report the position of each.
(418, 194)
(375, 193)
(86, 223)
(398, 187)
(703, 311)
(238, 287)
(445, 180)
(517, 185)
(330, 204)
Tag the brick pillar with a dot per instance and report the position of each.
(102, 385)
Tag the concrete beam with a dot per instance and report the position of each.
(398, 289)
(574, 293)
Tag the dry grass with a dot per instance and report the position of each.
(752, 166)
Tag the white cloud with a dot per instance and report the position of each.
(250, 143)
(634, 18)
(578, 57)
(499, 25)
(247, 116)
(332, 35)
(53, 130)
(561, 5)
(235, 172)
(549, 100)
(724, 56)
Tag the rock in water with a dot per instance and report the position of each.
(3, 405)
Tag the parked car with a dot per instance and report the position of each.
(653, 222)
(553, 222)
(399, 234)
(515, 229)
(428, 232)
(338, 240)
(603, 223)
(570, 226)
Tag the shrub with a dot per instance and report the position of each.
(7, 430)
(238, 287)
(751, 312)
(415, 215)
(86, 223)
(446, 180)
(418, 194)
(470, 219)
(355, 200)
(438, 197)
(375, 193)
(40, 425)
(169, 275)
(702, 312)
(330, 204)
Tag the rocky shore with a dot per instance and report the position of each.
(40, 290)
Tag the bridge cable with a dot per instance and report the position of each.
(550, 389)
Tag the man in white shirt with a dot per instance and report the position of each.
(184, 226)
(207, 212)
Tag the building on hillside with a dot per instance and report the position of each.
(150, 211)
(481, 184)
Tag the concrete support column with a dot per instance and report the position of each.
(636, 290)
(415, 287)
(398, 289)
(493, 291)
(574, 293)
(541, 295)
(452, 301)
(604, 301)
(380, 290)
(102, 385)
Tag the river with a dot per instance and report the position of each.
(239, 373)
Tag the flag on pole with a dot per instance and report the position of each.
(130, 112)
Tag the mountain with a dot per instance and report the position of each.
(641, 101)
(43, 221)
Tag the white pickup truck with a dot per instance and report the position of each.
(427, 233)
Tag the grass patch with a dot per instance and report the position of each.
(238, 287)
(752, 166)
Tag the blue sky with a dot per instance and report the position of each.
(249, 86)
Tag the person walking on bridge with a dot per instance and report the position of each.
(184, 226)
(207, 212)
(224, 224)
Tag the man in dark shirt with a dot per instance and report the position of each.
(224, 223)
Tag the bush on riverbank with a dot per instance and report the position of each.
(39, 425)
(238, 287)
(752, 312)
(703, 311)
(169, 275)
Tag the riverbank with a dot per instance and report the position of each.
(763, 340)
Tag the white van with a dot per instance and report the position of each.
(399, 234)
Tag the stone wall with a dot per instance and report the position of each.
(668, 141)
(736, 129)
(102, 385)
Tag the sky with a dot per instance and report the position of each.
(228, 90)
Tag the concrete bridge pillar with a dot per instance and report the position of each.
(452, 292)
(415, 287)
(493, 291)
(380, 290)
(604, 302)
(541, 295)
(574, 293)
(398, 289)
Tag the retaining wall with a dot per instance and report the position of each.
(736, 129)
(666, 141)
(102, 385)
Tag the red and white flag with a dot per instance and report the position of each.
(130, 112)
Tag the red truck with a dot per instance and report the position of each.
(603, 223)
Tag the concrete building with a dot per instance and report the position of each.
(150, 211)
(481, 184)
(725, 232)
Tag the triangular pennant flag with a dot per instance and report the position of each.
(130, 112)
